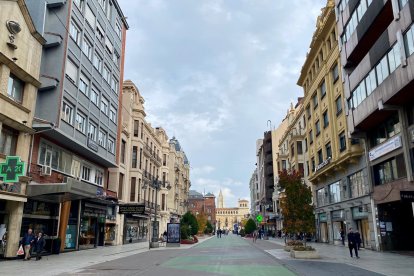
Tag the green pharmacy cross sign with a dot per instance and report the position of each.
(259, 218)
(12, 169)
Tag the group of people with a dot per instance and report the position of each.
(221, 232)
(32, 243)
(354, 241)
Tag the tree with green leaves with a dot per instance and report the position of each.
(296, 203)
(190, 220)
(250, 226)
(209, 228)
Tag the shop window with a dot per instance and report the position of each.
(8, 140)
(358, 186)
(390, 170)
(334, 192)
(15, 88)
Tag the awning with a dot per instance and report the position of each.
(60, 192)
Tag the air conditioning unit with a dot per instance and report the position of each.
(46, 170)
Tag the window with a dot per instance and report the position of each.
(385, 130)
(67, 113)
(111, 145)
(92, 131)
(71, 71)
(97, 62)
(80, 122)
(99, 177)
(133, 188)
(112, 114)
(390, 170)
(102, 138)
(87, 47)
(140, 158)
(100, 32)
(118, 29)
(325, 119)
(114, 84)
(102, 3)
(108, 45)
(94, 97)
(323, 89)
(321, 197)
(109, 11)
(315, 100)
(335, 192)
(115, 58)
(382, 70)
(15, 88)
(328, 150)
(338, 103)
(313, 164)
(84, 85)
(306, 144)
(86, 173)
(409, 41)
(90, 17)
(134, 156)
(342, 142)
(308, 113)
(318, 128)
(292, 150)
(299, 147)
(320, 157)
(8, 140)
(104, 105)
(74, 31)
(106, 74)
(310, 137)
(136, 128)
(79, 4)
(335, 72)
(402, 3)
(358, 186)
(123, 145)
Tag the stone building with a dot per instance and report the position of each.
(20, 57)
(376, 48)
(230, 217)
(202, 204)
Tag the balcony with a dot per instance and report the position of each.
(148, 175)
(152, 155)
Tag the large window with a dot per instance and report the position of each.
(359, 187)
(106, 74)
(97, 62)
(67, 113)
(299, 147)
(87, 47)
(335, 192)
(80, 122)
(134, 156)
(104, 105)
(90, 17)
(321, 197)
(86, 173)
(342, 142)
(385, 130)
(15, 88)
(390, 170)
(84, 85)
(71, 71)
(102, 138)
(354, 18)
(8, 140)
(74, 31)
(111, 145)
(94, 97)
(112, 114)
(92, 131)
(328, 150)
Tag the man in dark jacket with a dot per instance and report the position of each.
(28, 242)
(39, 245)
(352, 243)
(358, 239)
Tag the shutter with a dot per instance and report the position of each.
(90, 17)
(71, 70)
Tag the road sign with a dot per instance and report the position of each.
(11, 169)
(259, 218)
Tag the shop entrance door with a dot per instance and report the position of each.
(101, 234)
(324, 232)
(363, 228)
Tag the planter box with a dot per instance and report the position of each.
(304, 254)
(287, 248)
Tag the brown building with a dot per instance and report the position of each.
(197, 203)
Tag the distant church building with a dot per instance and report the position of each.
(227, 218)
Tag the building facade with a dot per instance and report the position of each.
(20, 57)
(337, 165)
(229, 218)
(77, 121)
(376, 39)
(203, 204)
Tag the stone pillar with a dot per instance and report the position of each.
(15, 210)
(63, 222)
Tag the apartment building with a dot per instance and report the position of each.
(81, 75)
(337, 164)
(20, 55)
(377, 46)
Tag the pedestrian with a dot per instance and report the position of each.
(218, 234)
(352, 243)
(342, 233)
(358, 239)
(254, 235)
(28, 242)
(39, 245)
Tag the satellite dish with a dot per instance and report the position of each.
(13, 27)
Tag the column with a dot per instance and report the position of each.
(63, 222)
(15, 210)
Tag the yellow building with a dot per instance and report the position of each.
(336, 165)
(20, 55)
(227, 217)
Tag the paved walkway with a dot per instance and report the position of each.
(378, 262)
(77, 260)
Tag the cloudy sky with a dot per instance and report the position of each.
(212, 73)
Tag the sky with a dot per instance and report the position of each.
(213, 72)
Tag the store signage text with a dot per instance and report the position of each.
(407, 196)
(12, 169)
(323, 164)
(132, 209)
(386, 147)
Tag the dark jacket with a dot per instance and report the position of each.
(28, 239)
(358, 237)
(39, 244)
(352, 239)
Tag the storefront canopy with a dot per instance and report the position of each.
(60, 192)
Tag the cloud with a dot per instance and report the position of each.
(207, 169)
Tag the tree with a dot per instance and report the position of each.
(202, 222)
(243, 222)
(190, 220)
(296, 204)
(250, 226)
(209, 228)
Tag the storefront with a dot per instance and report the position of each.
(110, 226)
(338, 224)
(323, 227)
(136, 219)
(92, 225)
(360, 217)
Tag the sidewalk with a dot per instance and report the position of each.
(379, 262)
(71, 262)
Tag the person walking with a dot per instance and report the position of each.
(352, 243)
(358, 239)
(39, 245)
(254, 235)
(28, 242)
(342, 233)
